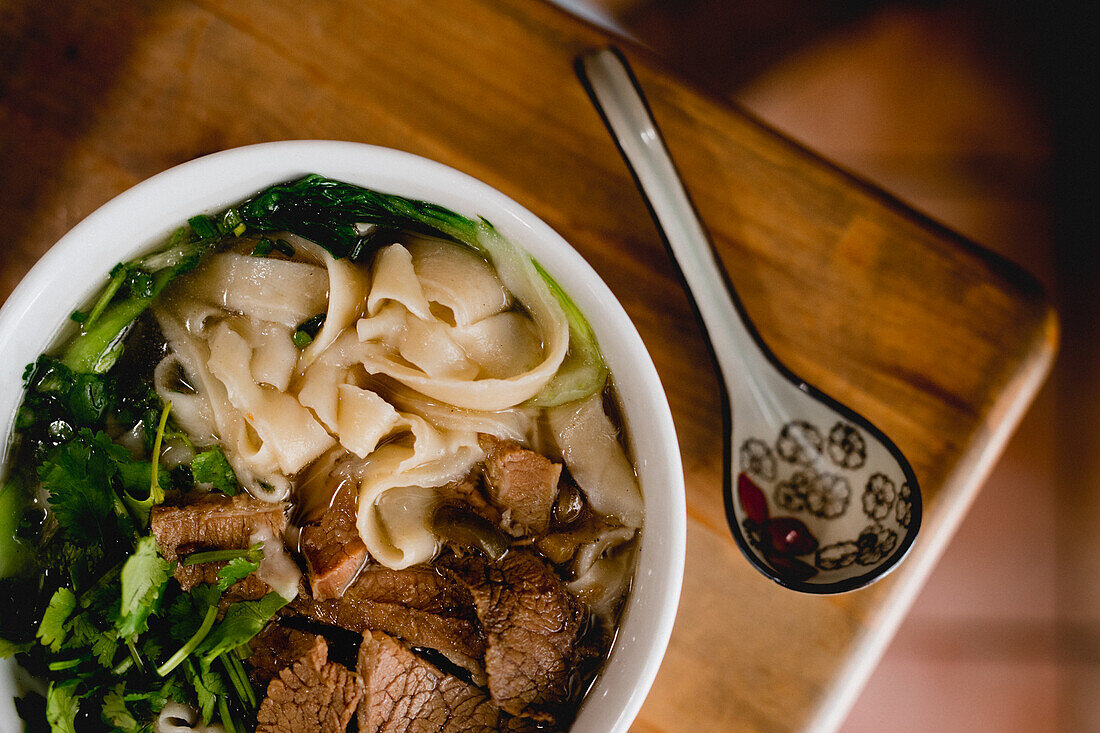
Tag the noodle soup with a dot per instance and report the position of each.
(324, 445)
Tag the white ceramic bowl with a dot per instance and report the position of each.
(75, 268)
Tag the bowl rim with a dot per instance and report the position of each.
(83, 255)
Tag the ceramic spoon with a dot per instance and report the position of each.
(816, 496)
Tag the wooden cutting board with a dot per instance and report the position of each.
(939, 342)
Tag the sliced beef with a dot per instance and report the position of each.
(533, 628)
(467, 491)
(420, 605)
(333, 549)
(522, 482)
(278, 647)
(213, 522)
(312, 695)
(405, 693)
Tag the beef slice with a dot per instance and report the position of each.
(312, 696)
(333, 549)
(420, 605)
(533, 628)
(213, 522)
(406, 694)
(521, 482)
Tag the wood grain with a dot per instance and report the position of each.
(935, 340)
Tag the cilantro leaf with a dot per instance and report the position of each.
(62, 704)
(84, 633)
(105, 647)
(144, 578)
(52, 630)
(10, 648)
(116, 714)
(208, 687)
(185, 614)
(235, 571)
(77, 479)
(212, 467)
(242, 622)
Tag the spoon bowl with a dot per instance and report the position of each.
(817, 498)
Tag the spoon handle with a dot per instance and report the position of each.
(618, 97)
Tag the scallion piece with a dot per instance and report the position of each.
(263, 248)
(284, 247)
(203, 226)
(254, 554)
(307, 330)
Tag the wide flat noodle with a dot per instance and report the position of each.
(424, 458)
(208, 410)
(589, 445)
(347, 296)
(280, 422)
(458, 279)
(444, 348)
(395, 282)
(501, 344)
(274, 356)
(270, 289)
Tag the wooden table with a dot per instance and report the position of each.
(940, 343)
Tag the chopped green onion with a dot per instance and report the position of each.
(254, 554)
(285, 247)
(78, 316)
(203, 226)
(239, 230)
(312, 324)
(231, 221)
(307, 330)
(239, 679)
(263, 247)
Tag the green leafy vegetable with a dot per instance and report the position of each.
(212, 467)
(52, 630)
(583, 372)
(144, 577)
(209, 688)
(132, 288)
(203, 226)
(197, 638)
(242, 622)
(14, 555)
(237, 570)
(62, 704)
(9, 648)
(329, 212)
(78, 478)
(115, 712)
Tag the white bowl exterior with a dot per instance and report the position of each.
(74, 268)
